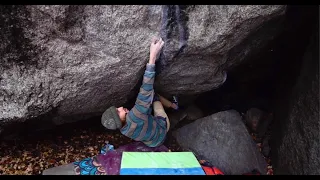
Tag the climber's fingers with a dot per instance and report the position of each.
(161, 42)
(154, 40)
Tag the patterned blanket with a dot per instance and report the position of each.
(109, 160)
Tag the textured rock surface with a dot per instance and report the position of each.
(60, 170)
(224, 141)
(297, 147)
(78, 60)
(194, 113)
(189, 114)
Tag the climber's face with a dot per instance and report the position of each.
(122, 112)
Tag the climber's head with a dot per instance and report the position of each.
(113, 117)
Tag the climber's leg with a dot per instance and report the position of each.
(159, 111)
(168, 104)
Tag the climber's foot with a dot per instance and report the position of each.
(175, 105)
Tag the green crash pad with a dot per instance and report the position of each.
(160, 163)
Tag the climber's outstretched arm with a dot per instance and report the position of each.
(146, 93)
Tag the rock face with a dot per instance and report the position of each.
(297, 147)
(78, 60)
(224, 141)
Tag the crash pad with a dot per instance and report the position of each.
(160, 163)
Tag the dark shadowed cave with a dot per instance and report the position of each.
(265, 84)
(274, 78)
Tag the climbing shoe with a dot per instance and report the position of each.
(175, 101)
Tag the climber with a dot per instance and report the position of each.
(138, 123)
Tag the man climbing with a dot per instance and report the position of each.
(138, 123)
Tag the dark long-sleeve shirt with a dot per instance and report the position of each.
(141, 125)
